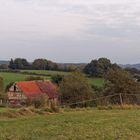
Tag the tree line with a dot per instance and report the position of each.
(41, 64)
(76, 88)
(96, 68)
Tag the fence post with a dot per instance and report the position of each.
(121, 100)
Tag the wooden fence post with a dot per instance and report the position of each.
(121, 100)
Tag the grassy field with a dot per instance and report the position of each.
(74, 125)
(49, 72)
(98, 82)
(13, 77)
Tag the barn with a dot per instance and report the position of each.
(20, 92)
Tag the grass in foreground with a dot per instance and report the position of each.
(75, 125)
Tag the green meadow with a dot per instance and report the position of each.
(12, 77)
(15, 77)
(86, 124)
(98, 82)
(47, 72)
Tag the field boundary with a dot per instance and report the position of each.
(120, 95)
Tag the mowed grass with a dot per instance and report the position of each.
(75, 125)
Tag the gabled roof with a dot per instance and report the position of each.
(33, 88)
(48, 87)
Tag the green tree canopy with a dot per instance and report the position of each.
(1, 84)
(122, 83)
(40, 64)
(75, 88)
(99, 68)
(19, 63)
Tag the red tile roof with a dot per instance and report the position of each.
(33, 88)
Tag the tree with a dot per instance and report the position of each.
(1, 84)
(122, 82)
(52, 66)
(57, 78)
(9, 86)
(19, 63)
(133, 70)
(2, 95)
(12, 64)
(40, 64)
(99, 68)
(75, 88)
(72, 68)
(33, 78)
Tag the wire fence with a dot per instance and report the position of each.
(115, 99)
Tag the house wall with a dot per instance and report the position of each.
(15, 95)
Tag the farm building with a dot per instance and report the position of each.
(20, 92)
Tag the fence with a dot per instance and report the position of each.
(115, 99)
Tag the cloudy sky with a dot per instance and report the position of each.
(70, 30)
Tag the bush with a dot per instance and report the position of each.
(57, 78)
(40, 101)
(33, 78)
(75, 88)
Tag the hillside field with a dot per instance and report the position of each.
(14, 77)
(48, 72)
(86, 124)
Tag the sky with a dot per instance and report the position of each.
(70, 30)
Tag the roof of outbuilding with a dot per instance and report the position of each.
(48, 87)
(33, 88)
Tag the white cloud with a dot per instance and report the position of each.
(93, 23)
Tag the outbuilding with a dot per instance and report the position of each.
(20, 92)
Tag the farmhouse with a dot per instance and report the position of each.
(20, 92)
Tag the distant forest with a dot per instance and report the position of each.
(96, 68)
(125, 83)
(42, 64)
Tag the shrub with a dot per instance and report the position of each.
(75, 88)
(57, 78)
(33, 78)
(40, 101)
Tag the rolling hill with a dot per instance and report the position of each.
(137, 66)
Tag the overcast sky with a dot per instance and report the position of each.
(70, 30)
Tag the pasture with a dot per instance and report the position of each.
(47, 72)
(12, 77)
(15, 77)
(98, 82)
(86, 124)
